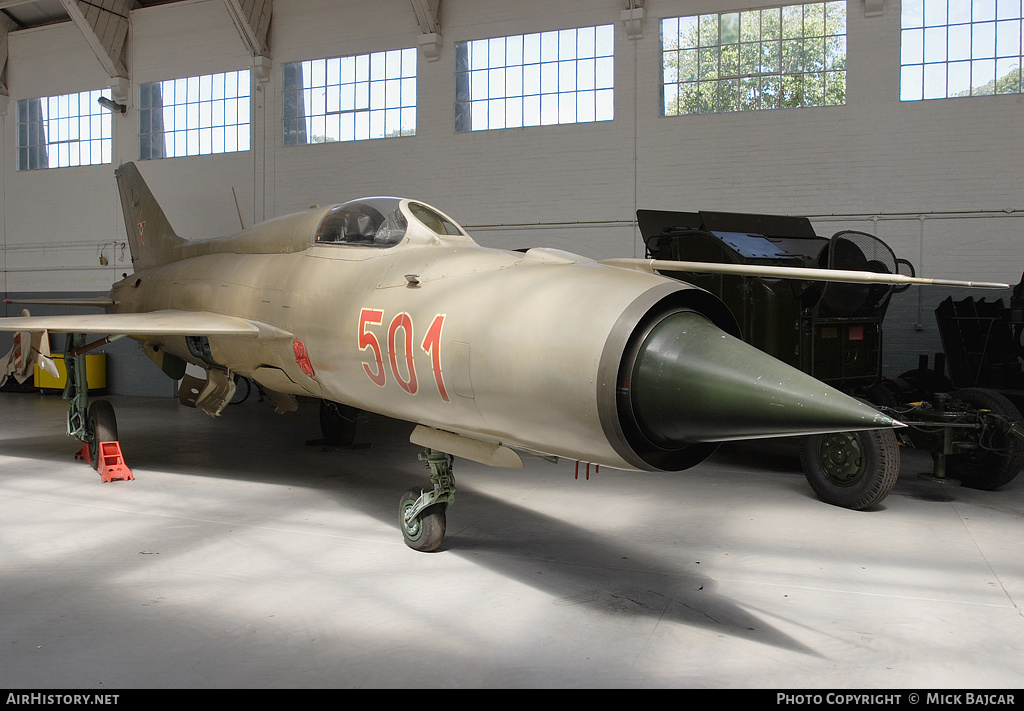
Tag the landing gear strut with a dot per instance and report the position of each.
(421, 512)
(93, 423)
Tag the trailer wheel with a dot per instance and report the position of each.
(855, 470)
(1000, 456)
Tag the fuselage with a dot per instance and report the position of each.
(387, 305)
(505, 346)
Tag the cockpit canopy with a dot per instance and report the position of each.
(383, 222)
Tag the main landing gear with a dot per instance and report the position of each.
(93, 423)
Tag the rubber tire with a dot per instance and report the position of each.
(985, 469)
(102, 424)
(243, 387)
(337, 424)
(426, 532)
(864, 469)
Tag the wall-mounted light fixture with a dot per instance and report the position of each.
(111, 105)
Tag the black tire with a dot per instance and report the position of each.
(855, 470)
(337, 424)
(1001, 456)
(243, 386)
(426, 532)
(102, 426)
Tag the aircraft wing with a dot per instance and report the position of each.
(169, 322)
(101, 303)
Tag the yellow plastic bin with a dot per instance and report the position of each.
(95, 373)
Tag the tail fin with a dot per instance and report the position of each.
(150, 236)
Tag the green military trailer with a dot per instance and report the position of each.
(833, 331)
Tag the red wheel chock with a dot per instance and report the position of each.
(111, 465)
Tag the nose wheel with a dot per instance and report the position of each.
(422, 531)
(421, 512)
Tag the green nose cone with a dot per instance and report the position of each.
(691, 382)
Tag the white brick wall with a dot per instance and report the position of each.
(875, 156)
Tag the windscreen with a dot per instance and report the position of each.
(370, 222)
(434, 220)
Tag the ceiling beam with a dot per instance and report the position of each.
(252, 19)
(6, 25)
(430, 25)
(104, 24)
(426, 15)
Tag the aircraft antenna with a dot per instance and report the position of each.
(237, 208)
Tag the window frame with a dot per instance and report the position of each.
(535, 79)
(777, 66)
(66, 133)
(947, 53)
(207, 114)
(364, 97)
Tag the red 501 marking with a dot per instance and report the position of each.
(403, 368)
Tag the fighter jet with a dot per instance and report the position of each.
(387, 305)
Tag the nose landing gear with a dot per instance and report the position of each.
(422, 511)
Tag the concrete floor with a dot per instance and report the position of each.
(243, 557)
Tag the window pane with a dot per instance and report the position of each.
(64, 131)
(204, 114)
(565, 76)
(365, 96)
(777, 57)
(957, 48)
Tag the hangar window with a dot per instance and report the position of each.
(352, 98)
(952, 48)
(771, 58)
(64, 131)
(194, 115)
(564, 76)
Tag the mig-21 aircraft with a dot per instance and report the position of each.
(387, 305)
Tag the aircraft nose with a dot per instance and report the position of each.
(691, 382)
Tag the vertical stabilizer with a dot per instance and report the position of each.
(150, 236)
